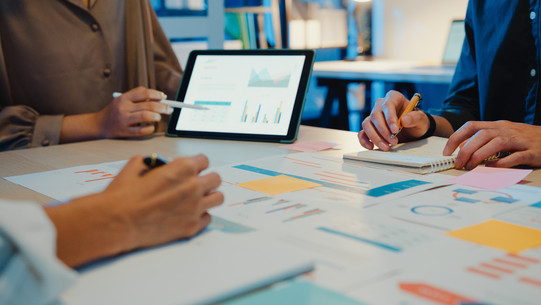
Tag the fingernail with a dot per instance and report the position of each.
(394, 128)
(168, 110)
(157, 117)
(164, 96)
(382, 145)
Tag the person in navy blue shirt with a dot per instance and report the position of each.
(493, 102)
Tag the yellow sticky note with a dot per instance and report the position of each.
(501, 235)
(278, 185)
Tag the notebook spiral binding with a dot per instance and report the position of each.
(441, 165)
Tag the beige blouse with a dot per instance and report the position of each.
(60, 58)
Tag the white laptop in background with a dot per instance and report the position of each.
(455, 39)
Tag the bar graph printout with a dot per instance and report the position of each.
(67, 183)
(321, 184)
(475, 275)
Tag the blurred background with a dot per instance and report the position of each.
(343, 33)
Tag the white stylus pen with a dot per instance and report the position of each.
(174, 104)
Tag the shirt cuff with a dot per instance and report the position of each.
(47, 130)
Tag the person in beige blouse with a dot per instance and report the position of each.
(60, 62)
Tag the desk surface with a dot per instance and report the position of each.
(386, 264)
(220, 153)
(40, 159)
(384, 70)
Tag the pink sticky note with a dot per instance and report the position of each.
(491, 178)
(310, 146)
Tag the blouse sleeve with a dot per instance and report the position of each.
(30, 272)
(22, 127)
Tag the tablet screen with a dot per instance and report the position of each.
(255, 94)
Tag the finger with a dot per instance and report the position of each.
(364, 140)
(144, 94)
(210, 182)
(482, 153)
(416, 122)
(182, 168)
(204, 221)
(201, 162)
(370, 131)
(393, 102)
(138, 131)
(379, 121)
(211, 200)
(133, 168)
(463, 133)
(475, 143)
(514, 159)
(143, 117)
(152, 106)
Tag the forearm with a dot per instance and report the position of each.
(88, 229)
(443, 127)
(80, 127)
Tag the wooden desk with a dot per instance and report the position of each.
(336, 75)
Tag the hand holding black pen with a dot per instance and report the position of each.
(154, 160)
(140, 208)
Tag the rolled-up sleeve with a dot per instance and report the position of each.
(30, 272)
(22, 127)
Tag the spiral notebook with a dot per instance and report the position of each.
(421, 157)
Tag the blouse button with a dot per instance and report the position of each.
(95, 27)
(533, 72)
(532, 15)
(106, 72)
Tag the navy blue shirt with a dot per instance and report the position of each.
(497, 76)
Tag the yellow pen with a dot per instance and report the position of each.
(409, 108)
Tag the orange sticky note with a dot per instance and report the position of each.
(501, 235)
(278, 185)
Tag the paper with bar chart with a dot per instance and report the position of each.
(474, 275)
(276, 190)
(67, 183)
(244, 94)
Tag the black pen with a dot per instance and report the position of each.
(154, 160)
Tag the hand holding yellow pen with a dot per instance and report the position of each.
(409, 108)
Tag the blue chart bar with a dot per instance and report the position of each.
(504, 199)
(468, 200)
(394, 187)
(204, 103)
(465, 191)
(361, 239)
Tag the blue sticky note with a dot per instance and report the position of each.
(296, 292)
